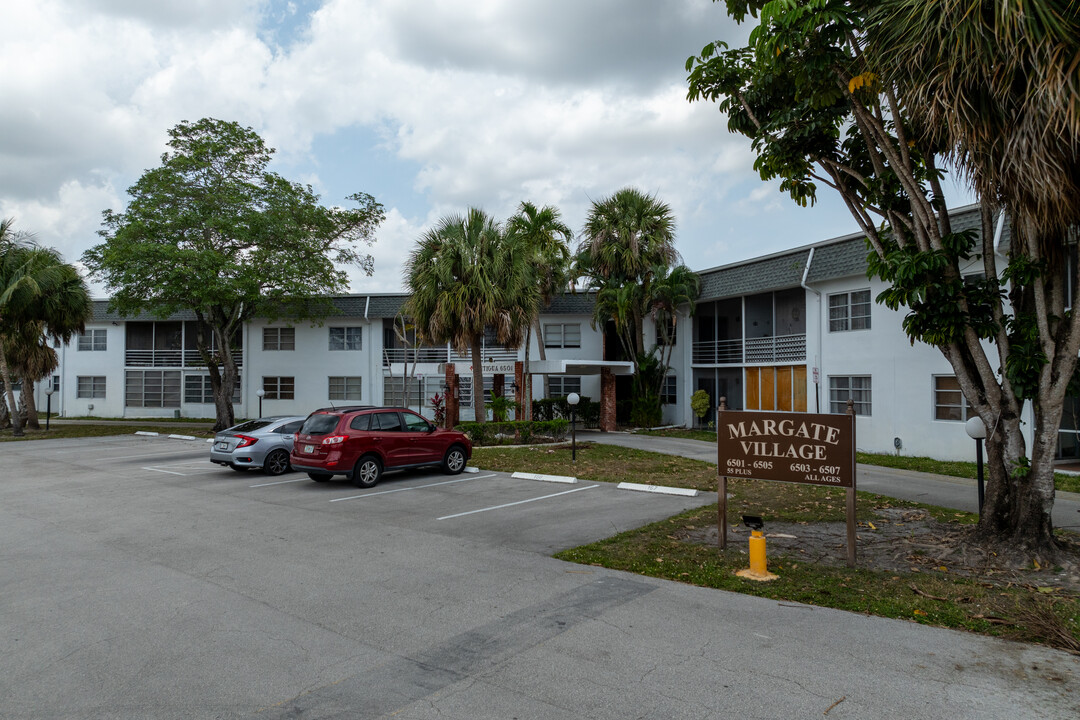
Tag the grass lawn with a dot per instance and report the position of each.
(952, 468)
(1024, 612)
(57, 431)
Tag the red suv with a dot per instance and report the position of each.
(361, 441)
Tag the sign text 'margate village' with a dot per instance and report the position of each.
(805, 448)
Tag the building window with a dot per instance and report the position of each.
(346, 338)
(278, 388)
(345, 388)
(949, 401)
(275, 338)
(855, 388)
(90, 386)
(562, 335)
(563, 385)
(199, 390)
(152, 388)
(93, 339)
(414, 391)
(56, 383)
(669, 391)
(849, 311)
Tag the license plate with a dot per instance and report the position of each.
(223, 446)
(309, 448)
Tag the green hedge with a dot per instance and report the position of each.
(518, 432)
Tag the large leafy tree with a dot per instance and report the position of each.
(41, 297)
(868, 99)
(213, 231)
(465, 275)
(548, 240)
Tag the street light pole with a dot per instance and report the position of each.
(573, 399)
(976, 429)
(48, 405)
(260, 392)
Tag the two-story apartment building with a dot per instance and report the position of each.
(793, 331)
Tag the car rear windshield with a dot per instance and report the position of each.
(250, 426)
(321, 424)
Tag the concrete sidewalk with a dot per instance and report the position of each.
(943, 490)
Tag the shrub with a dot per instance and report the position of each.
(512, 433)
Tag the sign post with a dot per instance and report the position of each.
(814, 449)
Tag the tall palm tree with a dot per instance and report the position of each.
(36, 288)
(624, 238)
(547, 238)
(672, 290)
(464, 276)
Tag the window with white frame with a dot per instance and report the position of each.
(93, 339)
(90, 386)
(856, 388)
(563, 385)
(949, 401)
(152, 388)
(345, 387)
(671, 337)
(278, 388)
(849, 311)
(413, 391)
(562, 335)
(279, 338)
(669, 391)
(346, 338)
(199, 390)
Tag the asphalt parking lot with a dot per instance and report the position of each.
(138, 580)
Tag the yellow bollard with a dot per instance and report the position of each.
(758, 565)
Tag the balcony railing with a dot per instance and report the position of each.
(782, 348)
(443, 354)
(172, 358)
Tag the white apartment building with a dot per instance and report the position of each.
(792, 331)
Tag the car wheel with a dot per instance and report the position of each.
(454, 462)
(237, 468)
(319, 477)
(367, 472)
(277, 463)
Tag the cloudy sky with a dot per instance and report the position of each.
(431, 106)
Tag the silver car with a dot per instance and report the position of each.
(264, 443)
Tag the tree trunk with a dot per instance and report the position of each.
(31, 405)
(13, 409)
(543, 358)
(479, 412)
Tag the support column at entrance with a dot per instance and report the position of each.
(452, 394)
(607, 400)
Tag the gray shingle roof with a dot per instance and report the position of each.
(754, 276)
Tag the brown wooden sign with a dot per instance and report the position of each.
(789, 447)
(807, 448)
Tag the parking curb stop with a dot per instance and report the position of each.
(146, 432)
(545, 478)
(183, 437)
(661, 489)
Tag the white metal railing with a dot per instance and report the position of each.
(172, 358)
(438, 354)
(781, 348)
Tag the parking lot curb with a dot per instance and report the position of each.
(545, 478)
(183, 437)
(662, 489)
(146, 432)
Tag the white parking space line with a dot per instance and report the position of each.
(519, 502)
(165, 451)
(415, 487)
(201, 470)
(280, 482)
(170, 472)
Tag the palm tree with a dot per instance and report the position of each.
(672, 289)
(464, 276)
(548, 238)
(996, 85)
(624, 238)
(30, 358)
(39, 293)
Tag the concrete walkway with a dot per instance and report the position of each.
(943, 490)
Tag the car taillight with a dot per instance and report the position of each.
(333, 440)
(245, 441)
